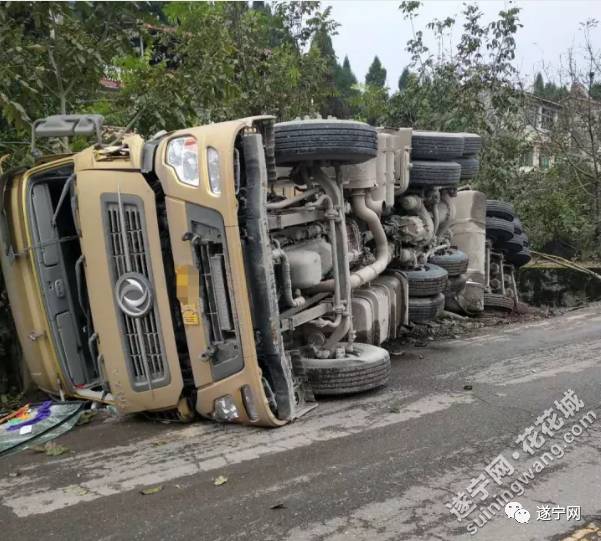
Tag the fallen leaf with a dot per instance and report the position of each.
(467, 387)
(221, 480)
(151, 490)
(278, 506)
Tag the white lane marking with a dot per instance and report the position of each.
(420, 511)
(545, 363)
(202, 448)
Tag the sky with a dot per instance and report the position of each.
(376, 27)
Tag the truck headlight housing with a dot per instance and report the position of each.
(182, 155)
(225, 409)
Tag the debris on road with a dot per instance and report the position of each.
(86, 417)
(220, 480)
(38, 424)
(51, 449)
(151, 490)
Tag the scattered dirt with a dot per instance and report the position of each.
(449, 328)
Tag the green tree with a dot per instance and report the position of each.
(348, 92)
(548, 90)
(370, 104)
(404, 79)
(376, 75)
(345, 79)
(195, 62)
(226, 60)
(53, 55)
(467, 87)
(538, 88)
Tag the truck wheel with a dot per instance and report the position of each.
(500, 209)
(455, 262)
(342, 141)
(424, 173)
(513, 245)
(427, 281)
(472, 144)
(366, 368)
(432, 145)
(517, 226)
(498, 230)
(498, 302)
(469, 167)
(424, 309)
(520, 258)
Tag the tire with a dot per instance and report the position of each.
(500, 209)
(517, 226)
(428, 281)
(520, 258)
(342, 141)
(456, 284)
(424, 173)
(513, 245)
(499, 230)
(432, 145)
(472, 144)
(366, 369)
(455, 262)
(469, 167)
(424, 309)
(498, 302)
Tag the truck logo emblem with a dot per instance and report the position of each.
(134, 294)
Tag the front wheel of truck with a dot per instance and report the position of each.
(366, 367)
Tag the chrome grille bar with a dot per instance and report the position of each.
(126, 240)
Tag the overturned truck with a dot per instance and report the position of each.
(234, 270)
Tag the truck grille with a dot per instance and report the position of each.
(127, 244)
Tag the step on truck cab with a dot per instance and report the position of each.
(191, 273)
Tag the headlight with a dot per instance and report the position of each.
(225, 409)
(182, 155)
(214, 175)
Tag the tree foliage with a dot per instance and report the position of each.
(466, 87)
(185, 63)
(177, 64)
(376, 75)
(548, 90)
(406, 75)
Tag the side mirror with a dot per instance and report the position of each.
(67, 126)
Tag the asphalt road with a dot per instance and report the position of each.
(378, 466)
